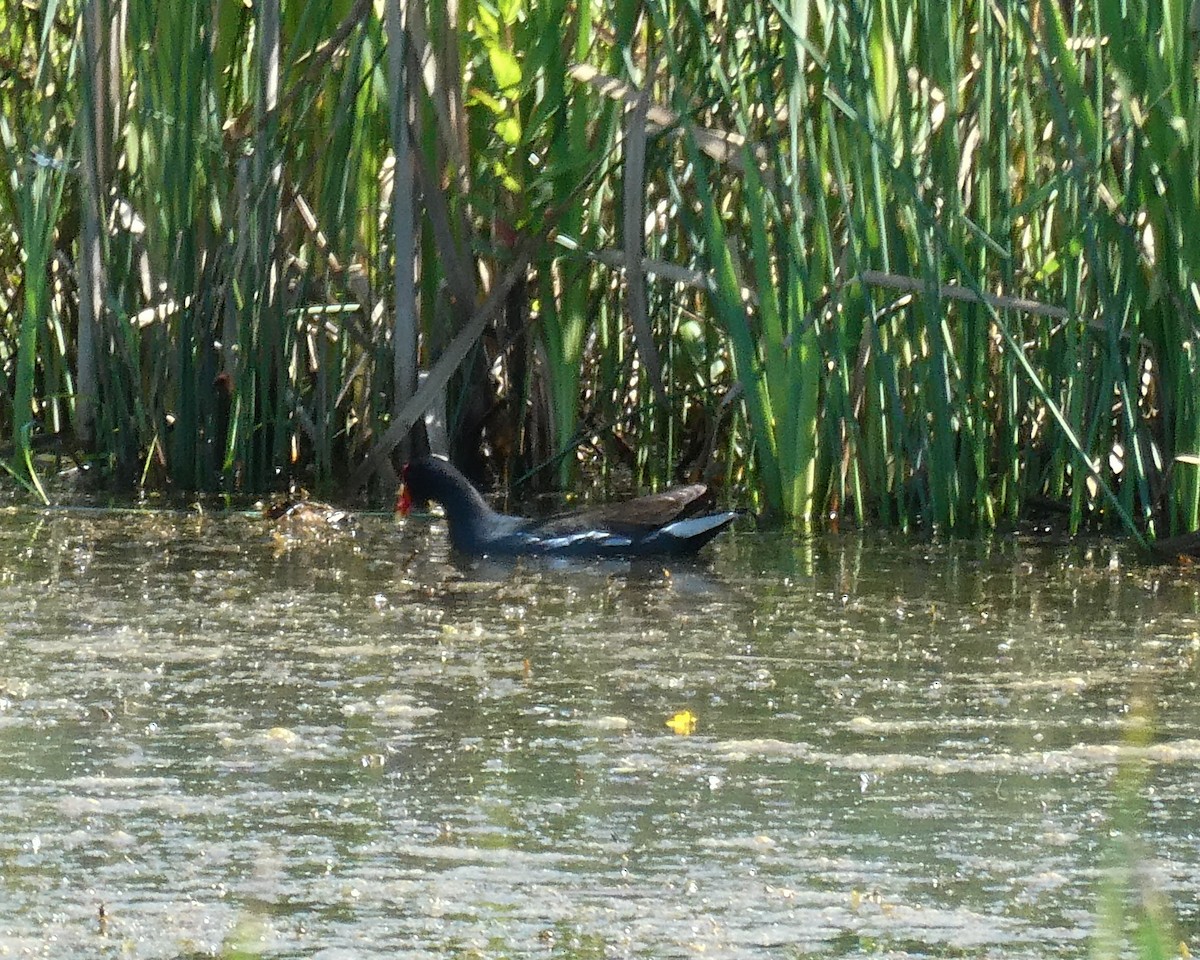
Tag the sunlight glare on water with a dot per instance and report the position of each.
(353, 747)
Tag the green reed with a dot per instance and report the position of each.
(902, 261)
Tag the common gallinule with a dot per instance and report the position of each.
(670, 523)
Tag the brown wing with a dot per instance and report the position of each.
(643, 514)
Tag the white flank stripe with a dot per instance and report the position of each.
(692, 527)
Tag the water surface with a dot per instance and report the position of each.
(352, 747)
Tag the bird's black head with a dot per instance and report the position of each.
(414, 487)
(433, 480)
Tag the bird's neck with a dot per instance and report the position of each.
(467, 514)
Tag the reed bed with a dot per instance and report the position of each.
(904, 262)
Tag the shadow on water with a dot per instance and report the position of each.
(360, 746)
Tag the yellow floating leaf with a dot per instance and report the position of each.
(683, 723)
